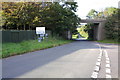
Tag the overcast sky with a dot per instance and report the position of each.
(86, 5)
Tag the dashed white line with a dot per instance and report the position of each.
(97, 68)
(107, 59)
(99, 57)
(98, 60)
(108, 62)
(94, 75)
(108, 71)
(108, 65)
(98, 63)
(108, 76)
(106, 54)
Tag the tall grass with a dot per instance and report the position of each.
(10, 49)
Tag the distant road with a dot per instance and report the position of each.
(74, 60)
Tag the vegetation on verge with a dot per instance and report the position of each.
(111, 15)
(112, 26)
(10, 49)
(109, 41)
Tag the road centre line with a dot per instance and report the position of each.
(108, 76)
(98, 64)
(108, 65)
(108, 70)
(107, 59)
(97, 68)
(108, 62)
(99, 60)
(99, 57)
(94, 75)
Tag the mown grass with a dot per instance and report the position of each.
(11, 49)
(109, 41)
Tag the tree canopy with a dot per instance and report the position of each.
(92, 14)
(111, 15)
(109, 11)
(112, 25)
(28, 15)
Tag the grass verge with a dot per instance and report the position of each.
(109, 41)
(11, 49)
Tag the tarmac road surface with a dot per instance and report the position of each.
(74, 60)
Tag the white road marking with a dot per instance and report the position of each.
(99, 57)
(107, 59)
(108, 62)
(98, 63)
(99, 60)
(108, 76)
(100, 51)
(100, 54)
(97, 68)
(107, 65)
(108, 70)
(106, 54)
(94, 75)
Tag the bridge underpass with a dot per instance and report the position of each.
(99, 31)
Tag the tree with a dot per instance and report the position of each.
(92, 14)
(89, 29)
(112, 25)
(28, 15)
(110, 11)
(18, 14)
(59, 18)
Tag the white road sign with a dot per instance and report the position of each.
(40, 30)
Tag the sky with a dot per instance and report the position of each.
(84, 6)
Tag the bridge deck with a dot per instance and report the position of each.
(92, 20)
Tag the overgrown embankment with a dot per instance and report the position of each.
(11, 49)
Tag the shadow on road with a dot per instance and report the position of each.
(18, 65)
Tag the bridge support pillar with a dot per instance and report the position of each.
(101, 31)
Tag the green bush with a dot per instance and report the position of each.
(112, 27)
(10, 49)
(89, 30)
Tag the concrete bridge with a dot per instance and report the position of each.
(99, 31)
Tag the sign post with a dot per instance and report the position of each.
(40, 31)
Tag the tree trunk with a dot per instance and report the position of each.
(17, 27)
(24, 26)
(29, 27)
